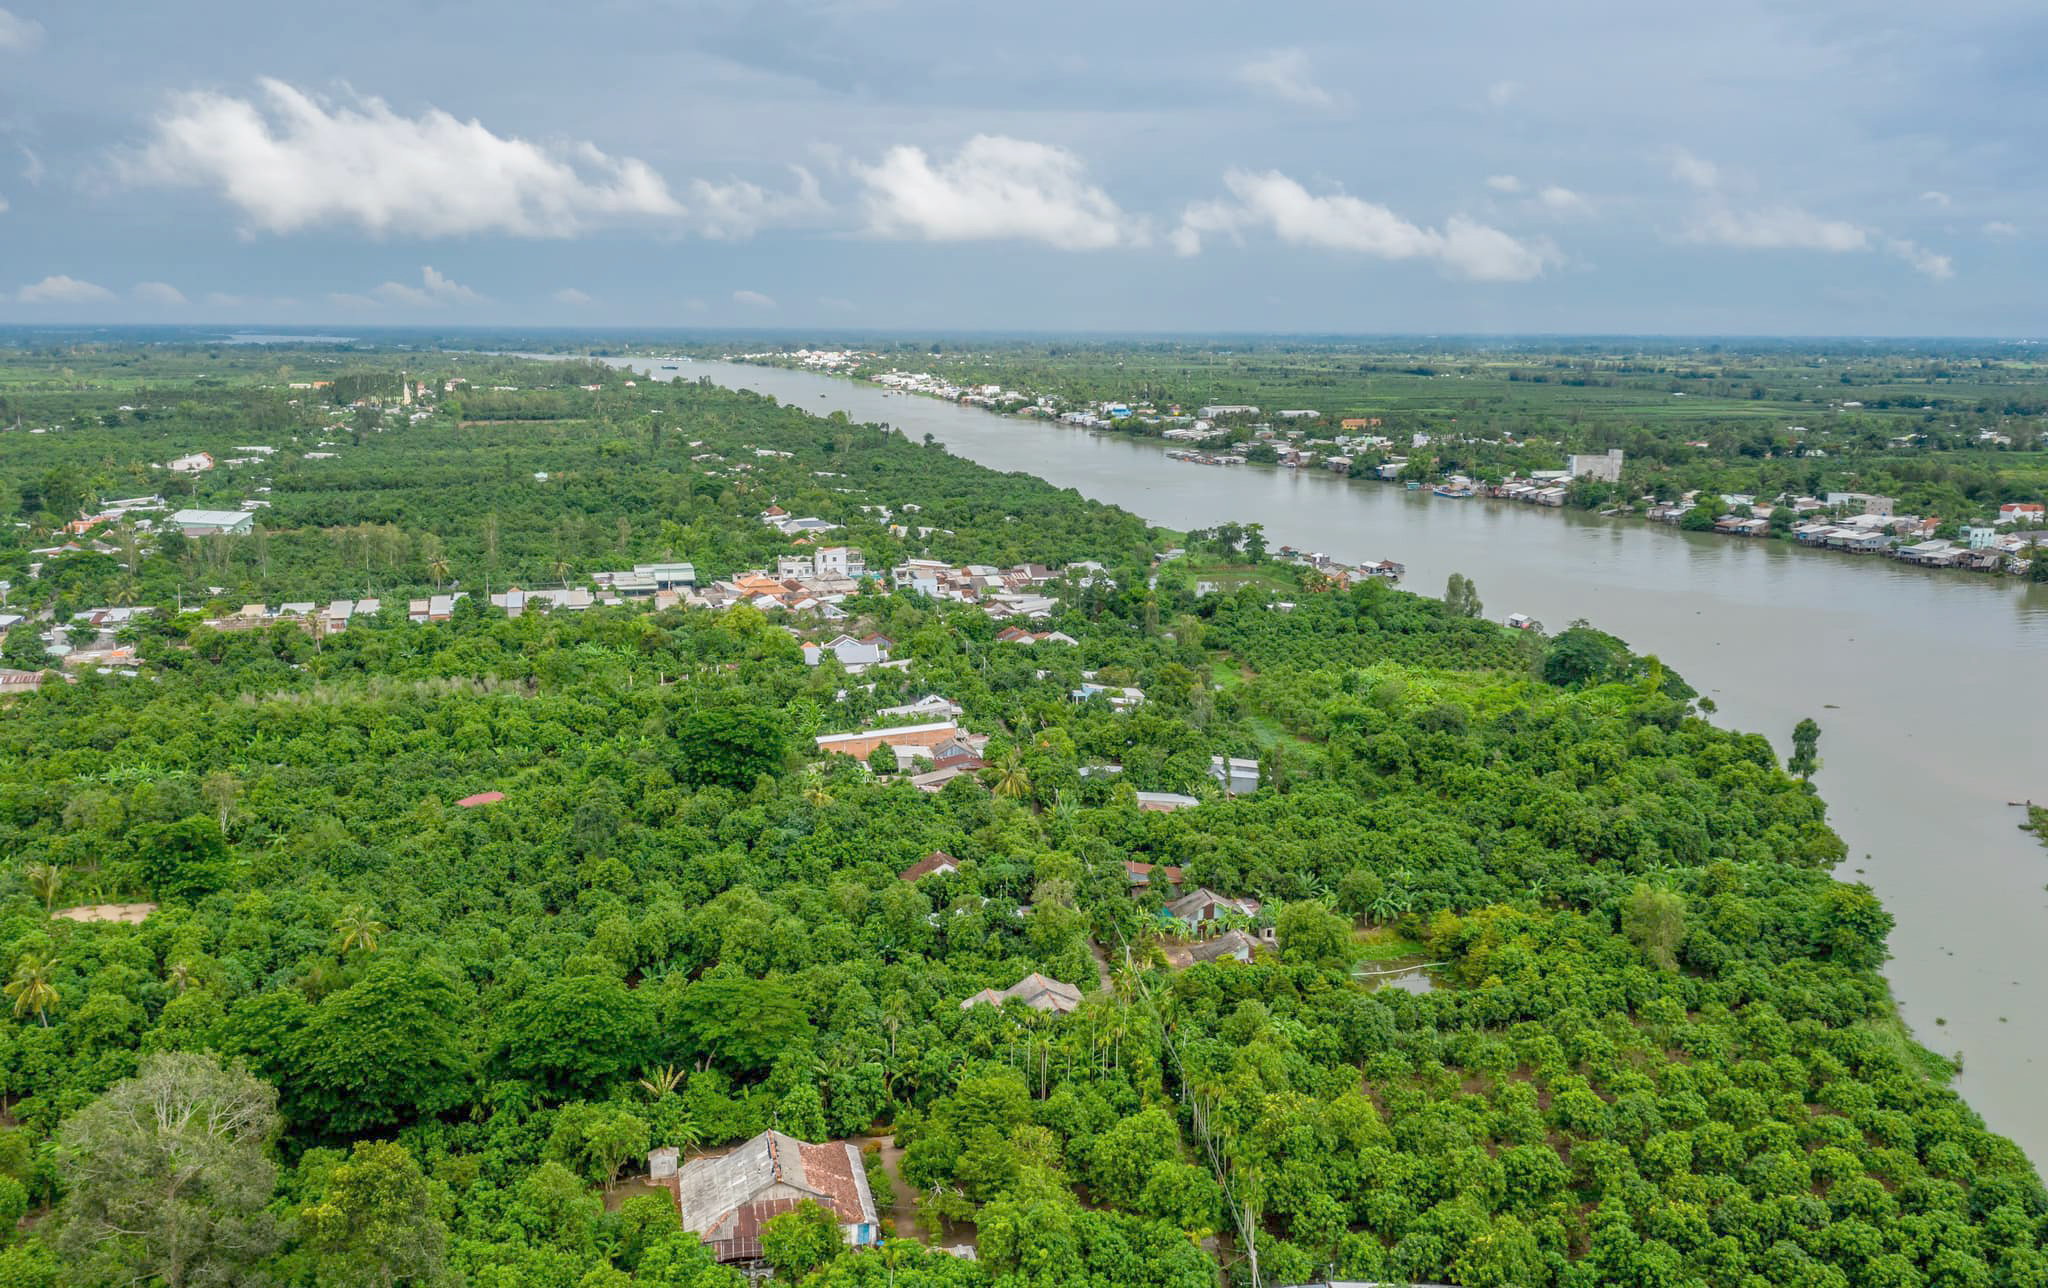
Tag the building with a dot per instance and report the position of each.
(937, 863)
(1201, 906)
(863, 743)
(1165, 802)
(1144, 876)
(1233, 945)
(1237, 775)
(1036, 991)
(839, 561)
(855, 655)
(196, 463)
(725, 1199)
(1225, 409)
(1601, 469)
(2028, 512)
(205, 523)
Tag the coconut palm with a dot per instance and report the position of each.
(45, 879)
(1012, 779)
(437, 568)
(179, 977)
(31, 988)
(359, 928)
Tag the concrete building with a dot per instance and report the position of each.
(205, 523)
(1601, 469)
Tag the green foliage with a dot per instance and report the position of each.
(800, 1240)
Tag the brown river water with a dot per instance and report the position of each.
(1930, 686)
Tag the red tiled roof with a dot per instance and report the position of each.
(1141, 873)
(930, 863)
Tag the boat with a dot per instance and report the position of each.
(1414, 486)
(1448, 489)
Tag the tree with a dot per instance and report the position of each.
(1311, 934)
(1013, 780)
(800, 1240)
(1805, 758)
(1654, 921)
(576, 1035)
(728, 746)
(1255, 542)
(45, 879)
(184, 859)
(882, 760)
(1461, 597)
(167, 1176)
(597, 1139)
(31, 987)
(358, 927)
(385, 1050)
(374, 1226)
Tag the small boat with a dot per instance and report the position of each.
(1446, 489)
(1414, 487)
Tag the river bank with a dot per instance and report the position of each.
(1918, 680)
(1930, 555)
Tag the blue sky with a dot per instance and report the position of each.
(1751, 167)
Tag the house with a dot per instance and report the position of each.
(956, 753)
(839, 561)
(1119, 697)
(1201, 906)
(1165, 802)
(2028, 512)
(1035, 990)
(937, 863)
(1239, 776)
(855, 655)
(1233, 945)
(205, 523)
(725, 1199)
(1143, 875)
(936, 780)
(13, 681)
(931, 704)
(862, 744)
(196, 463)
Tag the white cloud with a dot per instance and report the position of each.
(2000, 228)
(994, 189)
(753, 299)
(1788, 227)
(158, 293)
(1694, 171)
(1777, 228)
(1561, 201)
(1504, 183)
(1923, 260)
(18, 34)
(572, 297)
(32, 166)
(291, 161)
(1937, 198)
(1285, 74)
(1271, 200)
(1501, 93)
(59, 289)
(3, 205)
(436, 290)
(735, 210)
(835, 303)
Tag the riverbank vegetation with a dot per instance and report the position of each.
(429, 1037)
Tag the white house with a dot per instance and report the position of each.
(201, 523)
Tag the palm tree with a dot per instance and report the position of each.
(437, 568)
(815, 793)
(31, 988)
(359, 928)
(685, 1135)
(45, 879)
(179, 977)
(662, 1082)
(1012, 780)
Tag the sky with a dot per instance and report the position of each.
(1756, 167)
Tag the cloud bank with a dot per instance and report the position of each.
(289, 161)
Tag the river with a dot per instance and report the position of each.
(1926, 683)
